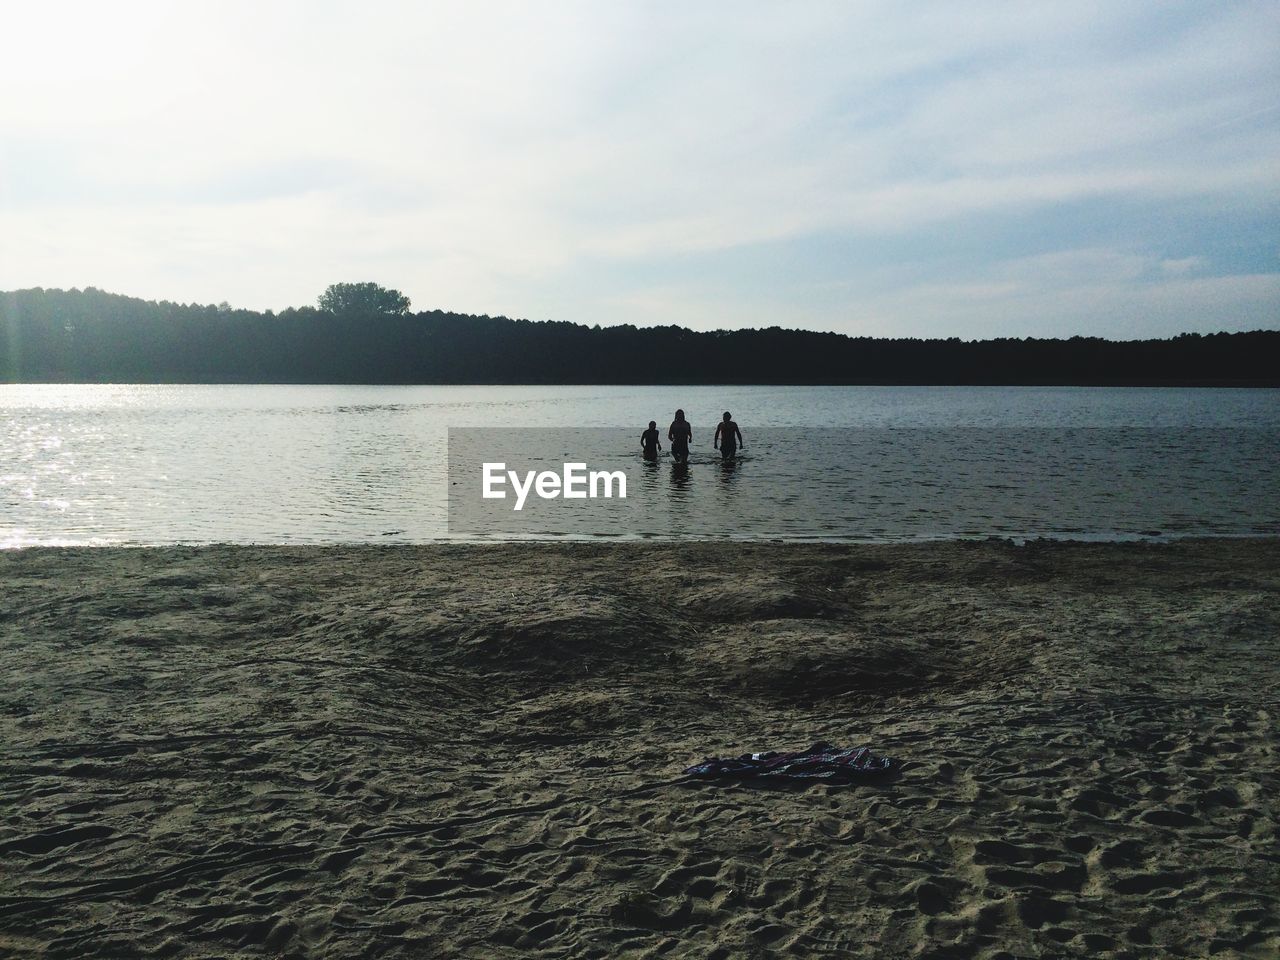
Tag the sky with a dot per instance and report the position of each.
(884, 169)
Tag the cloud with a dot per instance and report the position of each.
(1182, 266)
(629, 163)
(1087, 292)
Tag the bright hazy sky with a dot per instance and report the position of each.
(903, 169)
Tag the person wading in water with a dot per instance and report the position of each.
(681, 435)
(728, 437)
(649, 441)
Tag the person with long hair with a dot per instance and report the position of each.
(681, 435)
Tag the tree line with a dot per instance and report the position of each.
(362, 333)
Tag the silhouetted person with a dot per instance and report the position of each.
(728, 437)
(649, 441)
(681, 435)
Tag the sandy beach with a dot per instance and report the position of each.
(477, 751)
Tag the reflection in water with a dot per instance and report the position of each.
(652, 483)
(679, 479)
(682, 510)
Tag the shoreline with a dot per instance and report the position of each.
(467, 749)
(658, 541)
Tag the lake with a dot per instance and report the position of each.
(156, 464)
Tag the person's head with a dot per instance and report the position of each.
(679, 414)
(727, 416)
(653, 424)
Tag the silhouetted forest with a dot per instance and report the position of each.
(92, 336)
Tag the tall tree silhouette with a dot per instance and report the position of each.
(367, 299)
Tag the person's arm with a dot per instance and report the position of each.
(715, 441)
(741, 443)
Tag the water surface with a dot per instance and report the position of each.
(154, 464)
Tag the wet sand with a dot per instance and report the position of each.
(476, 751)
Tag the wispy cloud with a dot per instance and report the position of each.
(710, 164)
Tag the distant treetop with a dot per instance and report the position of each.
(367, 299)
